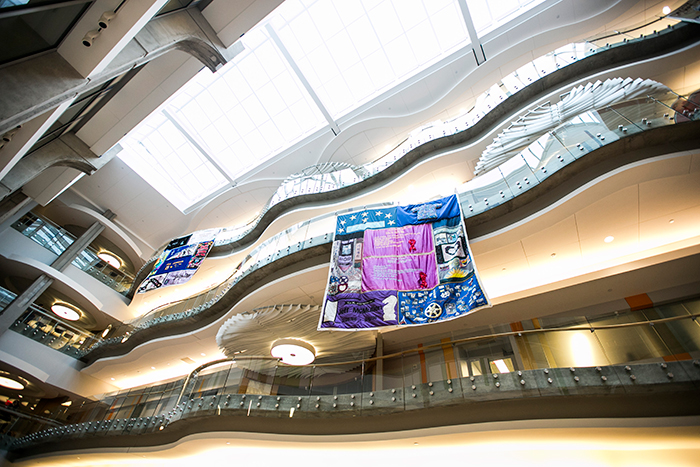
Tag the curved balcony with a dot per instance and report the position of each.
(622, 364)
(309, 243)
(502, 196)
(517, 90)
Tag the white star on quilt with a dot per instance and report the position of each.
(391, 222)
(379, 213)
(388, 215)
(341, 230)
(364, 220)
(353, 217)
(342, 222)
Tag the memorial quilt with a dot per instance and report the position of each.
(401, 266)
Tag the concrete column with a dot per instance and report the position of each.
(20, 304)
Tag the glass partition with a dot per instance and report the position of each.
(627, 351)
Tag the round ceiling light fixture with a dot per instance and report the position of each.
(293, 351)
(11, 383)
(65, 311)
(110, 259)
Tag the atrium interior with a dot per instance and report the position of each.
(568, 132)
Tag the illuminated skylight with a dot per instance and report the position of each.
(352, 51)
(489, 14)
(306, 65)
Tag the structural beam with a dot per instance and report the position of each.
(285, 53)
(473, 37)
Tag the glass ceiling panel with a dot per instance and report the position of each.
(171, 164)
(351, 51)
(239, 117)
(487, 15)
(220, 126)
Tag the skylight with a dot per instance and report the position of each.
(352, 51)
(306, 65)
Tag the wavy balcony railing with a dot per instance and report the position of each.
(554, 151)
(564, 65)
(319, 179)
(619, 355)
(44, 327)
(533, 166)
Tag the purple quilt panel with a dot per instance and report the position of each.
(411, 272)
(407, 240)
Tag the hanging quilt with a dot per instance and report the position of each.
(401, 266)
(180, 260)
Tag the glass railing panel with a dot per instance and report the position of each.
(39, 230)
(545, 64)
(383, 386)
(681, 337)
(513, 83)
(291, 239)
(40, 325)
(320, 230)
(527, 73)
(211, 381)
(337, 380)
(258, 375)
(645, 113)
(569, 54)
(631, 344)
(617, 123)
(518, 175)
(430, 378)
(634, 32)
(292, 381)
(483, 193)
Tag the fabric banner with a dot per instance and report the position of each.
(401, 266)
(180, 260)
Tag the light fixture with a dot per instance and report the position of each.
(666, 10)
(90, 37)
(11, 383)
(106, 331)
(608, 239)
(671, 221)
(293, 351)
(106, 17)
(67, 403)
(110, 259)
(65, 311)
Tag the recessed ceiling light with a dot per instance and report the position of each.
(112, 379)
(293, 351)
(203, 354)
(110, 259)
(67, 403)
(671, 221)
(106, 331)
(153, 368)
(11, 383)
(553, 255)
(666, 10)
(65, 311)
(608, 239)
